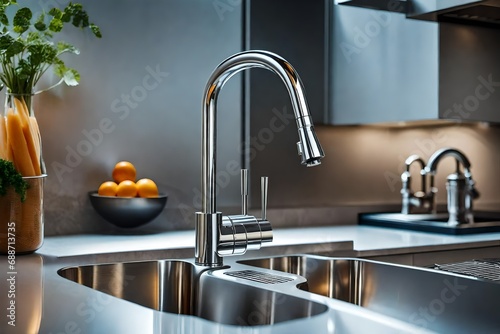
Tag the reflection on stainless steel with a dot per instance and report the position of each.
(233, 303)
(427, 298)
(239, 233)
(183, 288)
(460, 187)
(337, 278)
(21, 302)
(217, 236)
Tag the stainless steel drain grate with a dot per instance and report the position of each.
(488, 269)
(259, 277)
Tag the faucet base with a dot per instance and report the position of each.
(207, 239)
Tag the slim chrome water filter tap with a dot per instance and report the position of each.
(216, 235)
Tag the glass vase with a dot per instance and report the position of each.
(20, 135)
(21, 222)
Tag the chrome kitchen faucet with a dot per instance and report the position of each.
(460, 188)
(218, 236)
(410, 199)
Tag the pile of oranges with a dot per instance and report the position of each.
(124, 184)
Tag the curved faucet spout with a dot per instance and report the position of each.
(308, 146)
(460, 187)
(409, 161)
(414, 158)
(217, 235)
(439, 154)
(419, 199)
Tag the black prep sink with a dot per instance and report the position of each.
(484, 221)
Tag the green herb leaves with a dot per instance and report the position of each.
(10, 177)
(22, 20)
(27, 50)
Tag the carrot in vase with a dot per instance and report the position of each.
(22, 158)
(30, 134)
(5, 151)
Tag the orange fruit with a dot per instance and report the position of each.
(126, 188)
(124, 170)
(147, 188)
(107, 188)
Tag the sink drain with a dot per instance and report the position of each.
(260, 277)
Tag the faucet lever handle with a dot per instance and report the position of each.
(244, 191)
(264, 183)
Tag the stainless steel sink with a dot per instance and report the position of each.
(272, 290)
(224, 296)
(435, 300)
(333, 278)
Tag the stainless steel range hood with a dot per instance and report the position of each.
(476, 12)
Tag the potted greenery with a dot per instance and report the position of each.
(28, 48)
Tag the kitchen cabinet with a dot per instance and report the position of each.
(469, 73)
(387, 68)
(384, 67)
(365, 66)
(295, 30)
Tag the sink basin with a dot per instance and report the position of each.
(435, 300)
(333, 278)
(224, 296)
(484, 222)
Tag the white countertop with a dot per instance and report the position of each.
(362, 241)
(61, 298)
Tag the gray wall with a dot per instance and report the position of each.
(161, 135)
(160, 130)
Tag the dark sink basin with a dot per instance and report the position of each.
(484, 222)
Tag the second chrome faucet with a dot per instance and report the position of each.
(460, 188)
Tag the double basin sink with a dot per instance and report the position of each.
(181, 287)
(272, 290)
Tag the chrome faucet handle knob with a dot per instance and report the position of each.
(473, 192)
(244, 191)
(264, 185)
(266, 231)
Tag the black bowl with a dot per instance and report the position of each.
(127, 212)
